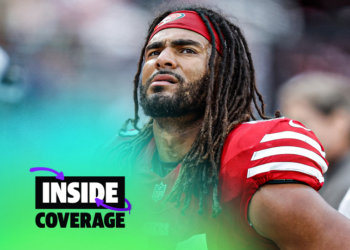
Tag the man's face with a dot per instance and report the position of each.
(175, 73)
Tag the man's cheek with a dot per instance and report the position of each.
(147, 71)
(196, 75)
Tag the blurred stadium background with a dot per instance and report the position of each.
(68, 65)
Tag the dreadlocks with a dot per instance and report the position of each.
(233, 90)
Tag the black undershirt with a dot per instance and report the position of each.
(162, 168)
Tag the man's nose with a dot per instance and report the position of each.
(166, 59)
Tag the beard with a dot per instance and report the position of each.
(186, 100)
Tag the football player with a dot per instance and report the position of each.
(206, 174)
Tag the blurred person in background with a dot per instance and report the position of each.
(321, 101)
(12, 87)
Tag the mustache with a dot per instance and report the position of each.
(179, 78)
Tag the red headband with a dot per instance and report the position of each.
(189, 20)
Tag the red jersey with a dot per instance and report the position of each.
(254, 153)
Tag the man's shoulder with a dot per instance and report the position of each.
(262, 127)
(109, 146)
(246, 135)
(249, 136)
(119, 138)
(272, 150)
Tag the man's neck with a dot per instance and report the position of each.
(175, 136)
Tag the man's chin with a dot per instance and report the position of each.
(162, 105)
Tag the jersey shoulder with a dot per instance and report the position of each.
(105, 154)
(283, 131)
(117, 139)
(276, 149)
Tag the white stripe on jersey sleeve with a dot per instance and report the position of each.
(290, 150)
(257, 121)
(285, 166)
(294, 135)
(292, 124)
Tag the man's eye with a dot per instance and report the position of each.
(154, 53)
(188, 51)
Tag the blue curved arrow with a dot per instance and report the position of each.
(99, 202)
(59, 175)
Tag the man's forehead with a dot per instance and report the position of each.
(172, 34)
